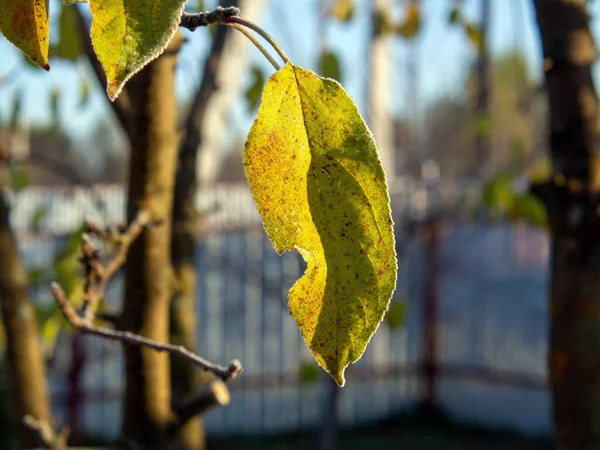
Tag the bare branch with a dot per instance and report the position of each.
(219, 15)
(46, 435)
(126, 337)
(97, 277)
(211, 396)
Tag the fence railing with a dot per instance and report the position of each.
(473, 341)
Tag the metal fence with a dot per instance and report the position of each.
(479, 288)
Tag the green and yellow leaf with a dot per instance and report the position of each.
(25, 23)
(318, 183)
(127, 35)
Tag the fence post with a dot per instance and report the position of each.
(429, 367)
(75, 391)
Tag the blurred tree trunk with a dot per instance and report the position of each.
(481, 163)
(148, 272)
(185, 377)
(202, 135)
(26, 362)
(571, 198)
(379, 85)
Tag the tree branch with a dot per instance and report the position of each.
(97, 277)
(219, 15)
(45, 434)
(122, 105)
(211, 396)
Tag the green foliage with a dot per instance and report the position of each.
(54, 99)
(329, 65)
(84, 92)
(69, 44)
(309, 372)
(411, 25)
(343, 10)
(19, 178)
(454, 16)
(25, 24)
(396, 314)
(483, 125)
(318, 183)
(15, 111)
(127, 35)
(38, 217)
(501, 201)
(255, 89)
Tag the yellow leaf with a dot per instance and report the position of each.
(318, 183)
(127, 35)
(25, 24)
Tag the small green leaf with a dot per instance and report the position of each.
(475, 35)
(127, 35)
(19, 179)
(498, 192)
(35, 276)
(396, 314)
(84, 92)
(25, 23)
(530, 209)
(54, 99)
(411, 25)
(329, 66)
(15, 111)
(483, 125)
(317, 180)
(309, 372)
(69, 44)
(38, 217)
(454, 16)
(255, 89)
(343, 10)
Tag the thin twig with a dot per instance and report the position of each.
(218, 16)
(126, 337)
(43, 430)
(45, 434)
(97, 276)
(211, 396)
(230, 16)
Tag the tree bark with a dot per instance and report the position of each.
(26, 362)
(148, 272)
(571, 198)
(186, 378)
(481, 163)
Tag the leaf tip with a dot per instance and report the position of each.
(113, 90)
(339, 377)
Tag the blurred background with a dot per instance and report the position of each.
(453, 93)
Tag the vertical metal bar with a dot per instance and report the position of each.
(224, 277)
(430, 314)
(263, 326)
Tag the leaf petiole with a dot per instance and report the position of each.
(235, 20)
(257, 44)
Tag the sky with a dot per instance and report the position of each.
(444, 55)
